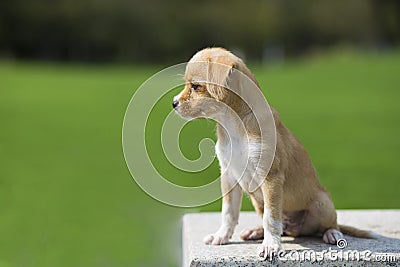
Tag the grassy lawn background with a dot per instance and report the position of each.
(66, 196)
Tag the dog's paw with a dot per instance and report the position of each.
(332, 236)
(216, 239)
(268, 249)
(252, 234)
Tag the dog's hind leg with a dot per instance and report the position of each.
(321, 219)
(255, 233)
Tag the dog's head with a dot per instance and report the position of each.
(208, 81)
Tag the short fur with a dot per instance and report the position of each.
(291, 200)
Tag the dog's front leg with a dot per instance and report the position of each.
(231, 201)
(272, 219)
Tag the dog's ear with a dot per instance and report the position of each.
(218, 74)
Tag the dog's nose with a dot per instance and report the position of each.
(175, 103)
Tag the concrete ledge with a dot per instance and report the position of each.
(305, 251)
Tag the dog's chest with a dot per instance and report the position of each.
(239, 160)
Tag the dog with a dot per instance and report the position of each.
(290, 199)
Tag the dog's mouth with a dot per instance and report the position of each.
(181, 112)
(178, 111)
(189, 113)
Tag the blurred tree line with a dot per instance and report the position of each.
(171, 31)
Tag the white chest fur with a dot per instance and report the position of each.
(239, 161)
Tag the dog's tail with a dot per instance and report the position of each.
(352, 231)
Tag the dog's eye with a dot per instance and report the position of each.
(194, 86)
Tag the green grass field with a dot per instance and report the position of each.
(66, 196)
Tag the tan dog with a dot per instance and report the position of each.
(290, 199)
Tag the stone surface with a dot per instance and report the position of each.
(304, 251)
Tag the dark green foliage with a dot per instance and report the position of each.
(171, 31)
